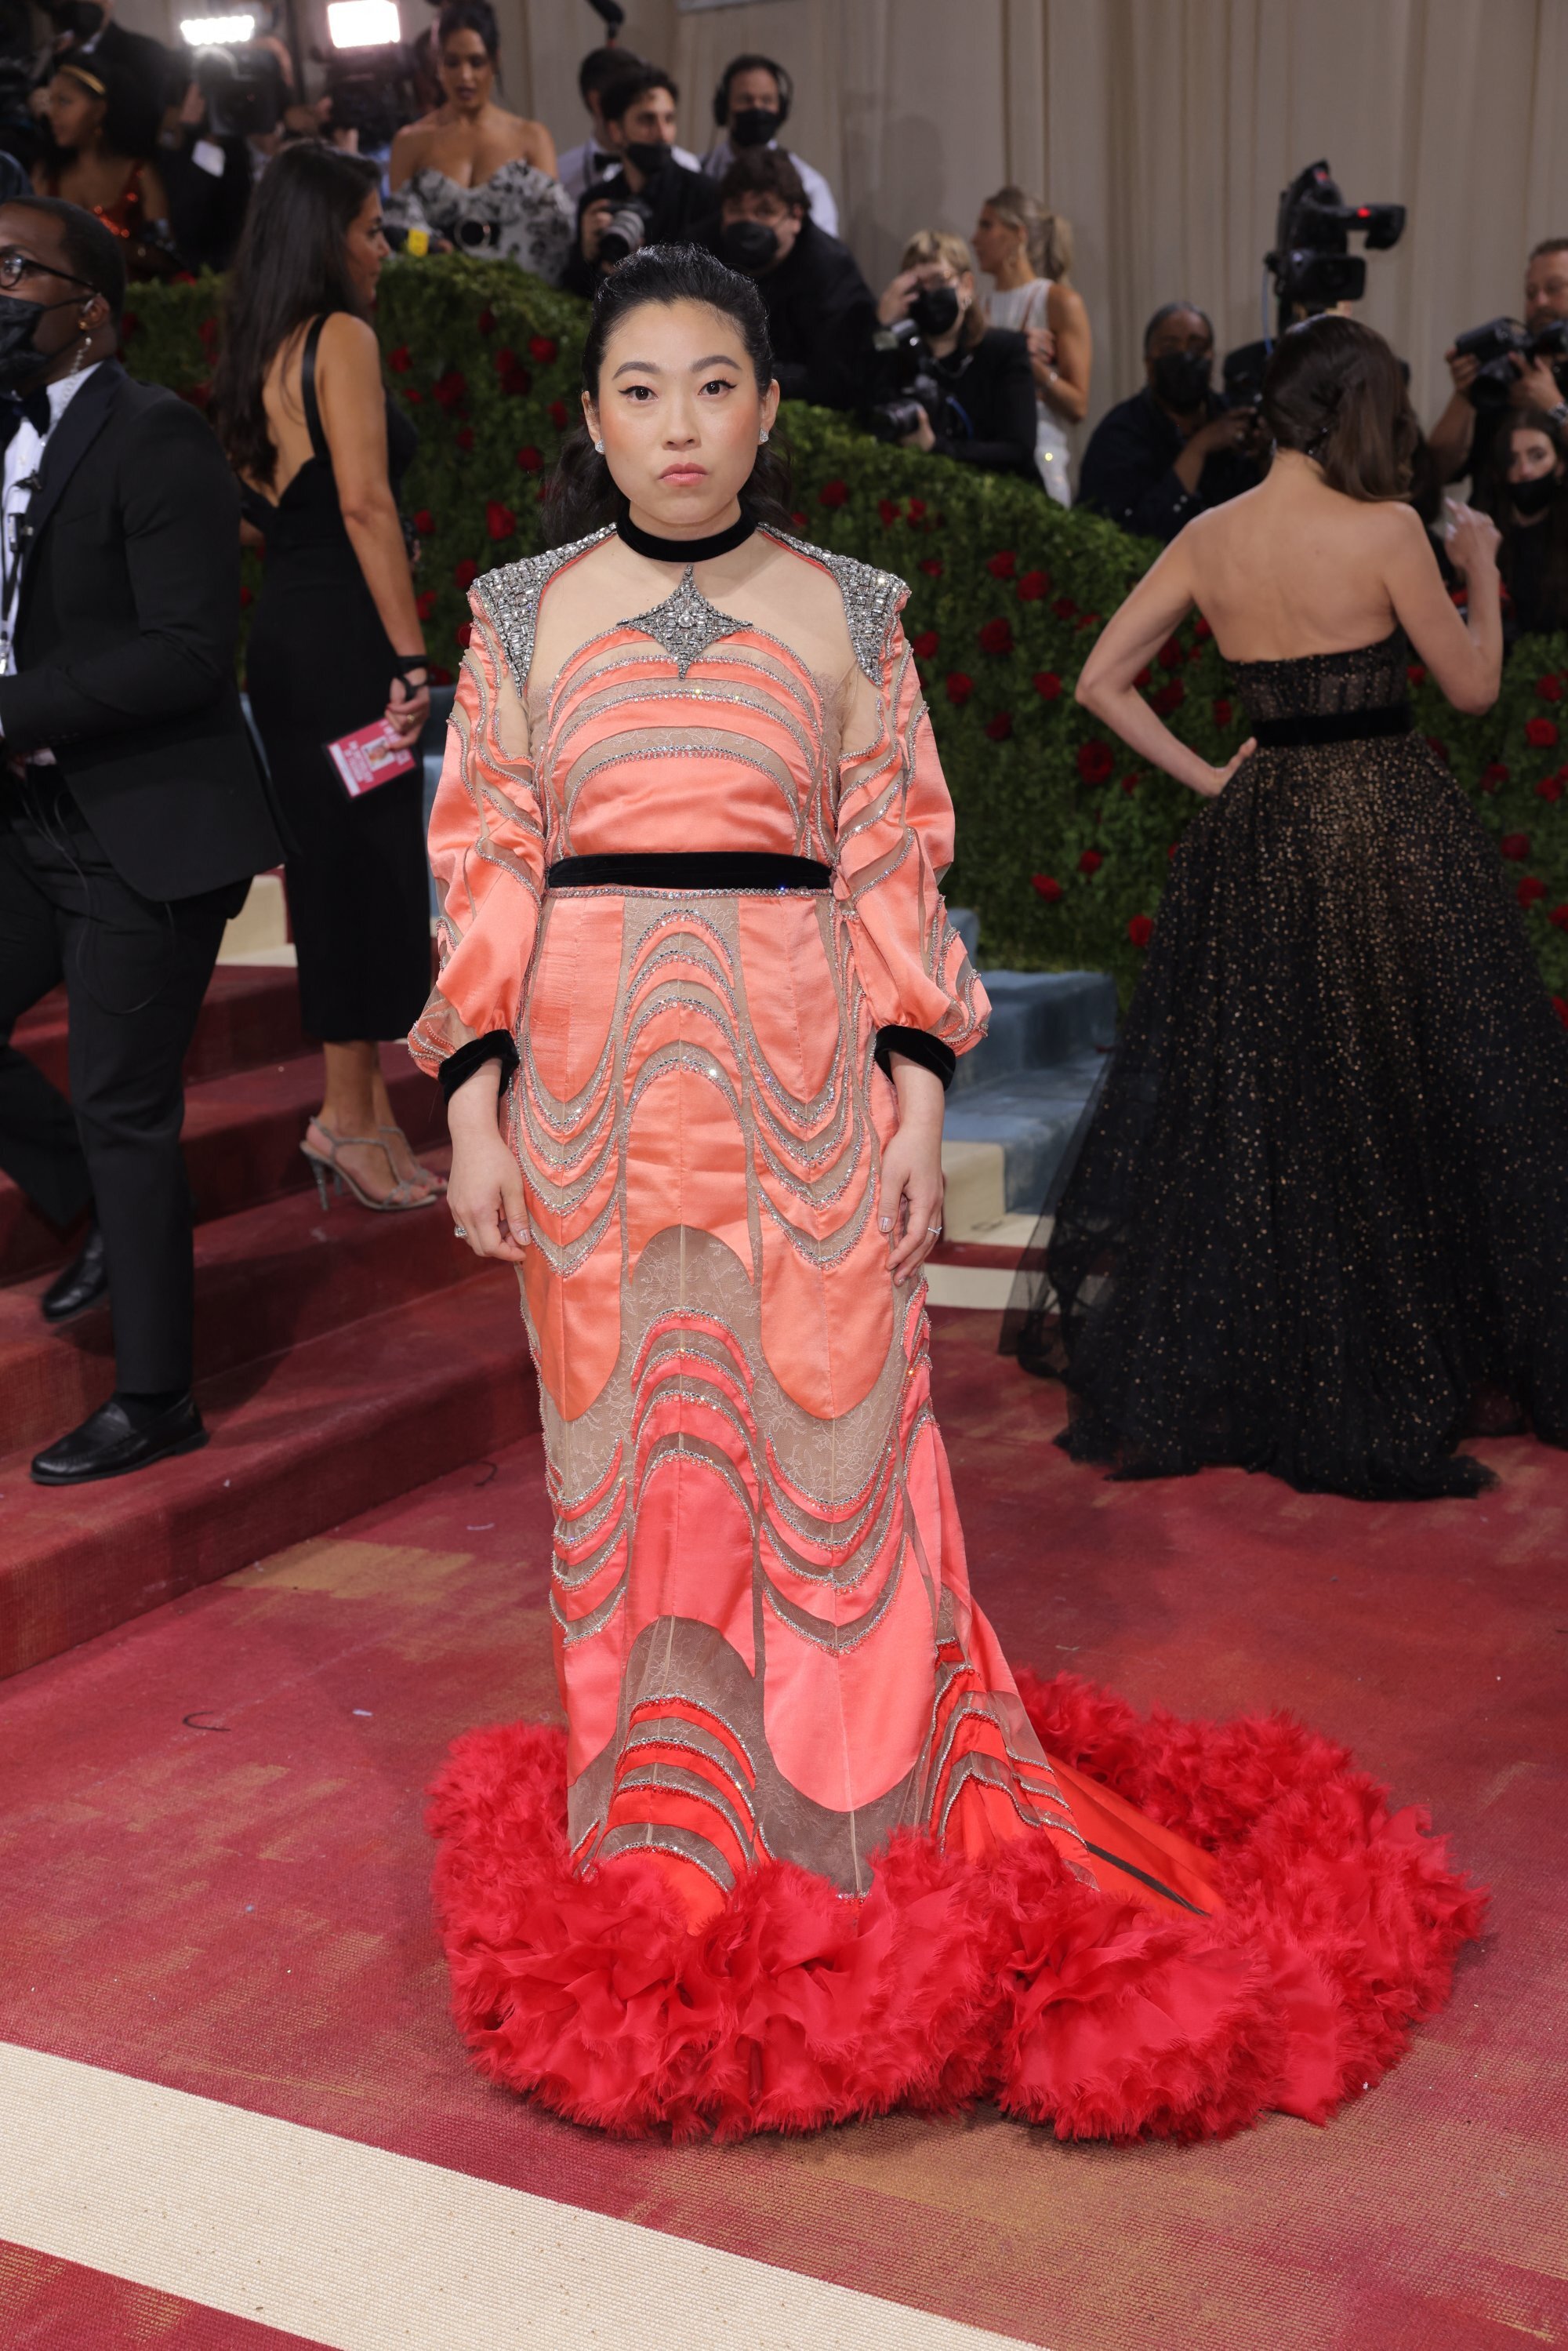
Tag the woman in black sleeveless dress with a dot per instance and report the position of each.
(1317, 1222)
(335, 642)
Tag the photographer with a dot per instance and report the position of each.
(971, 395)
(591, 160)
(822, 314)
(1462, 436)
(1174, 449)
(651, 199)
(751, 106)
(1524, 488)
(206, 163)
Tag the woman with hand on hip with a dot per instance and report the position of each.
(335, 642)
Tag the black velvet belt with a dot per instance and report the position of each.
(697, 869)
(1333, 726)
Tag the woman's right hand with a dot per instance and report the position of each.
(1208, 788)
(484, 1188)
(408, 708)
(1472, 539)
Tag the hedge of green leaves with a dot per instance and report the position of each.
(1064, 839)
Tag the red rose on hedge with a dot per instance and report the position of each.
(1531, 888)
(465, 437)
(1064, 608)
(959, 687)
(1493, 775)
(529, 459)
(833, 494)
(1548, 688)
(1141, 930)
(486, 322)
(1003, 564)
(1558, 918)
(499, 520)
(916, 509)
(1222, 712)
(1550, 787)
(1416, 674)
(424, 522)
(450, 388)
(1032, 586)
(558, 413)
(1438, 748)
(932, 566)
(1130, 785)
(1541, 732)
(1091, 861)
(401, 360)
(465, 573)
(1201, 628)
(1048, 887)
(924, 645)
(1171, 697)
(996, 637)
(1172, 653)
(1047, 685)
(1146, 677)
(1094, 761)
(543, 348)
(1515, 845)
(1172, 849)
(424, 604)
(999, 727)
(887, 512)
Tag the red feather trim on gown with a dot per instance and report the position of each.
(1007, 1978)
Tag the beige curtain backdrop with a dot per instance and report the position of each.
(1163, 129)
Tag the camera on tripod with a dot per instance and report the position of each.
(1498, 345)
(1313, 264)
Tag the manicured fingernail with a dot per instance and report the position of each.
(885, 1224)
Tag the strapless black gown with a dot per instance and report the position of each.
(1317, 1221)
(318, 664)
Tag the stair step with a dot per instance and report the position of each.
(1031, 1114)
(242, 1146)
(248, 1017)
(269, 1278)
(299, 1443)
(1038, 1018)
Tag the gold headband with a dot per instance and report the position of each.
(88, 80)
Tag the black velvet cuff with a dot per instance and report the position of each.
(916, 1045)
(459, 1066)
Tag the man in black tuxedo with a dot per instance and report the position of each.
(131, 814)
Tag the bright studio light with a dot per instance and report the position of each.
(363, 24)
(217, 32)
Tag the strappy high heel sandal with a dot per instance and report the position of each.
(326, 1165)
(422, 1175)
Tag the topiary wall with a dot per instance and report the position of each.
(1063, 839)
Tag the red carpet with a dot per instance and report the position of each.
(214, 1874)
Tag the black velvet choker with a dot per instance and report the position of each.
(685, 550)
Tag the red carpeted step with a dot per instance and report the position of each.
(242, 1146)
(266, 1280)
(250, 1015)
(301, 1441)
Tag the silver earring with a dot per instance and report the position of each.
(760, 439)
(599, 446)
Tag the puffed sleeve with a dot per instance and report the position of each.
(895, 843)
(487, 854)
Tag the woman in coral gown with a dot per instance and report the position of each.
(804, 1851)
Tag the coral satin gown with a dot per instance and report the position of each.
(805, 1851)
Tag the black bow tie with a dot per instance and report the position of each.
(17, 408)
(604, 162)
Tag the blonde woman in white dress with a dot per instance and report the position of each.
(1026, 252)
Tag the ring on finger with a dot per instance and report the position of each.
(460, 1232)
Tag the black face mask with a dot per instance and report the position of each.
(748, 246)
(1534, 497)
(935, 309)
(650, 156)
(754, 126)
(21, 360)
(1181, 379)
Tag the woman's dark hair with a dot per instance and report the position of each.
(469, 17)
(1550, 533)
(583, 496)
(130, 112)
(290, 267)
(1334, 390)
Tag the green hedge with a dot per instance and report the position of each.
(1064, 839)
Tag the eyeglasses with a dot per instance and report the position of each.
(15, 266)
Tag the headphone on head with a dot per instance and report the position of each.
(739, 65)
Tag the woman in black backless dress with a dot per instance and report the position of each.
(335, 642)
(1317, 1222)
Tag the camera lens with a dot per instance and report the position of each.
(474, 233)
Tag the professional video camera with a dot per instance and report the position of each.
(1497, 344)
(1311, 263)
(244, 89)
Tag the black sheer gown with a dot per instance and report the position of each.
(318, 664)
(1317, 1221)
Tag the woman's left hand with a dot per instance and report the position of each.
(407, 712)
(909, 1199)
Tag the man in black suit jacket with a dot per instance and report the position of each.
(131, 814)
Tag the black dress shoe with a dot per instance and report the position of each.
(113, 1441)
(84, 1282)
